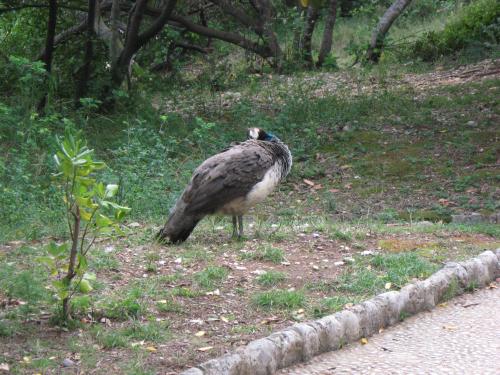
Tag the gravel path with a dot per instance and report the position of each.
(461, 337)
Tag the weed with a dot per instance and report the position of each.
(150, 331)
(110, 339)
(403, 315)
(211, 277)
(184, 292)
(332, 304)
(338, 234)
(123, 308)
(247, 329)
(271, 278)
(266, 253)
(169, 305)
(279, 299)
(452, 290)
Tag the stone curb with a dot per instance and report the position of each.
(303, 341)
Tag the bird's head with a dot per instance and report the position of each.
(261, 135)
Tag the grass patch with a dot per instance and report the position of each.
(169, 305)
(123, 308)
(184, 292)
(331, 305)
(271, 278)
(371, 277)
(267, 253)
(122, 337)
(211, 277)
(279, 299)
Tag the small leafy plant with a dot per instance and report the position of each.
(89, 212)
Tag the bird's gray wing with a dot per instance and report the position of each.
(227, 176)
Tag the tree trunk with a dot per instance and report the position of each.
(82, 87)
(115, 48)
(72, 262)
(134, 41)
(326, 43)
(377, 40)
(265, 10)
(306, 45)
(49, 49)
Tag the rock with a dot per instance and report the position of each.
(368, 252)
(4, 367)
(340, 263)
(349, 260)
(423, 223)
(68, 363)
(472, 218)
(471, 123)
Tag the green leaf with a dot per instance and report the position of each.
(85, 215)
(103, 221)
(120, 214)
(53, 249)
(49, 261)
(114, 205)
(85, 286)
(82, 264)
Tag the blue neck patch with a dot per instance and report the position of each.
(270, 137)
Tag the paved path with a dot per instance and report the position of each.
(462, 337)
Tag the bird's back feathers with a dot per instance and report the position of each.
(222, 183)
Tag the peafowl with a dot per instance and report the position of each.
(229, 183)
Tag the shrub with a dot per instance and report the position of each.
(477, 22)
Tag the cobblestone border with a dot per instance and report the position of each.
(302, 341)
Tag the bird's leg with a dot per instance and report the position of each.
(240, 224)
(234, 226)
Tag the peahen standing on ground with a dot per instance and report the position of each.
(229, 183)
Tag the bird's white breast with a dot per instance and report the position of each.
(261, 190)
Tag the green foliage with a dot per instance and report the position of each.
(267, 253)
(279, 299)
(331, 305)
(477, 22)
(88, 209)
(271, 278)
(211, 277)
(136, 331)
(125, 306)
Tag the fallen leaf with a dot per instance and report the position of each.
(200, 333)
(450, 327)
(205, 348)
(224, 319)
(334, 190)
(443, 304)
(27, 359)
(363, 341)
(388, 285)
(151, 349)
(308, 182)
(161, 301)
(348, 305)
(4, 367)
(492, 286)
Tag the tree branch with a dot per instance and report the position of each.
(226, 36)
(157, 24)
